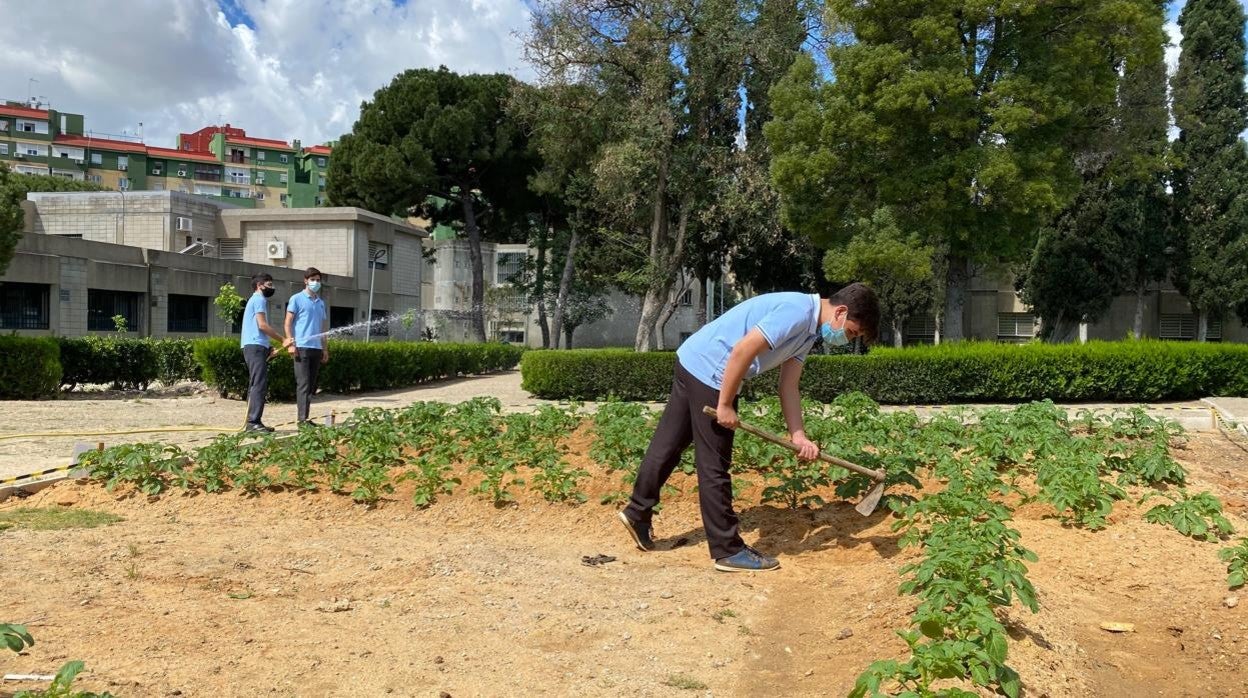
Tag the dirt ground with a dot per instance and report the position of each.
(290, 595)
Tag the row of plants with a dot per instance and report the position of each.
(1136, 370)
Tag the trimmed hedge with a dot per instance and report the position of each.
(1130, 371)
(125, 362)
(355, 366)
(30, 367)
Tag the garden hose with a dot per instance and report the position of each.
(154, 430)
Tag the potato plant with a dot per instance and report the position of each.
(1236, 559)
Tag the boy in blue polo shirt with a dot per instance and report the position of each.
(307, 322)
(256, 332)
(762, 333)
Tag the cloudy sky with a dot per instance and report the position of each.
(278, 68)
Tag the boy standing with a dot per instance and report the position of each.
(307, 322)
(774, 329)
(256, 333)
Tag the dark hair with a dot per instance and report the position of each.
(311, 272)
(864, 308)
(260, 279)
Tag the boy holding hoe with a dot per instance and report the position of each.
(774, 329)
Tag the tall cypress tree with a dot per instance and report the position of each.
(1211, 203)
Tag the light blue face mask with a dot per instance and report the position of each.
(314, 286)
(833, 337)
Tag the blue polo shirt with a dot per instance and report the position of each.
(310, 318)
(251, 333)
(788, 321)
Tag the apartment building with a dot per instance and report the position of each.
(158, 259)
(217, 162)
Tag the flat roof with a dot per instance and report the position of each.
(319, 213)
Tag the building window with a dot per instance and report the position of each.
(34, 150)
(123, 162)
(283, 178)
(188, 313)
(97, 159)
(283, 158)
(23, 306)
(95, 179)
(208, 174)
(318, 201)
(320, 162)
(157, 186)
(919, 330)
(4, 148)
(341, 317)
(378, 254)
(282, 198)
(1183, 328)
(511, 336)
(320, 182)
(123, 183)
(102, 306)
(64, 123)
(259, 154)
(4, 125)
(686, 298)
(1016, 326)
(260, 177)
(510, 265)
(259, 196)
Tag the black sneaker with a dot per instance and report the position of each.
(747, 560)
(259, 428)
(639, 532)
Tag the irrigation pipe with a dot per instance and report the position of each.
(154, 430)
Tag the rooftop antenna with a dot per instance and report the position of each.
(30, 90)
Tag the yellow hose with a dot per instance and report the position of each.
(155, 430)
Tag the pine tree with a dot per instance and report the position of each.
(1211, 203)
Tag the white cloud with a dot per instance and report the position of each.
(179, 65)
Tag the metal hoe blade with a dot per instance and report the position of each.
(868, 504)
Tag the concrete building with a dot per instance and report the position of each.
(217, 162)
(994, 312)
(159, 263)
(447, 299)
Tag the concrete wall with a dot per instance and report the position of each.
(145, 219)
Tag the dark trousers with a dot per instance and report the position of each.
(307, 370)
(257, 358)
(683, 423)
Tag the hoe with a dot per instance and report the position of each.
(868, 503)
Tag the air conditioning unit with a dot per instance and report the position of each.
(78, 161)
(276, 250)
(184, 224)
(123, 168)
(19, 156)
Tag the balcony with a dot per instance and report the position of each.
(235, 159)
(205, 176)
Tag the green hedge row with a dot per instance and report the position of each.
(354, 366)
(125, 362)
(30, 368)
(1129, 371)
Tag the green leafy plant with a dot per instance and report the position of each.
(15, 637)
(1198, 515)
(147, 466)
(229, 304)
(63, 685)
(1236, 559)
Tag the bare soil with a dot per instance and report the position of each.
(290, 595)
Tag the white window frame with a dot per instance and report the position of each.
(123, 183)
(320, 162)
(283, 158)
(259, 154)
(4, 148)
(123, 163)
(283, 178)
(97, 158)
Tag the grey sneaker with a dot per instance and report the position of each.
(640, 533)
(747, 560)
